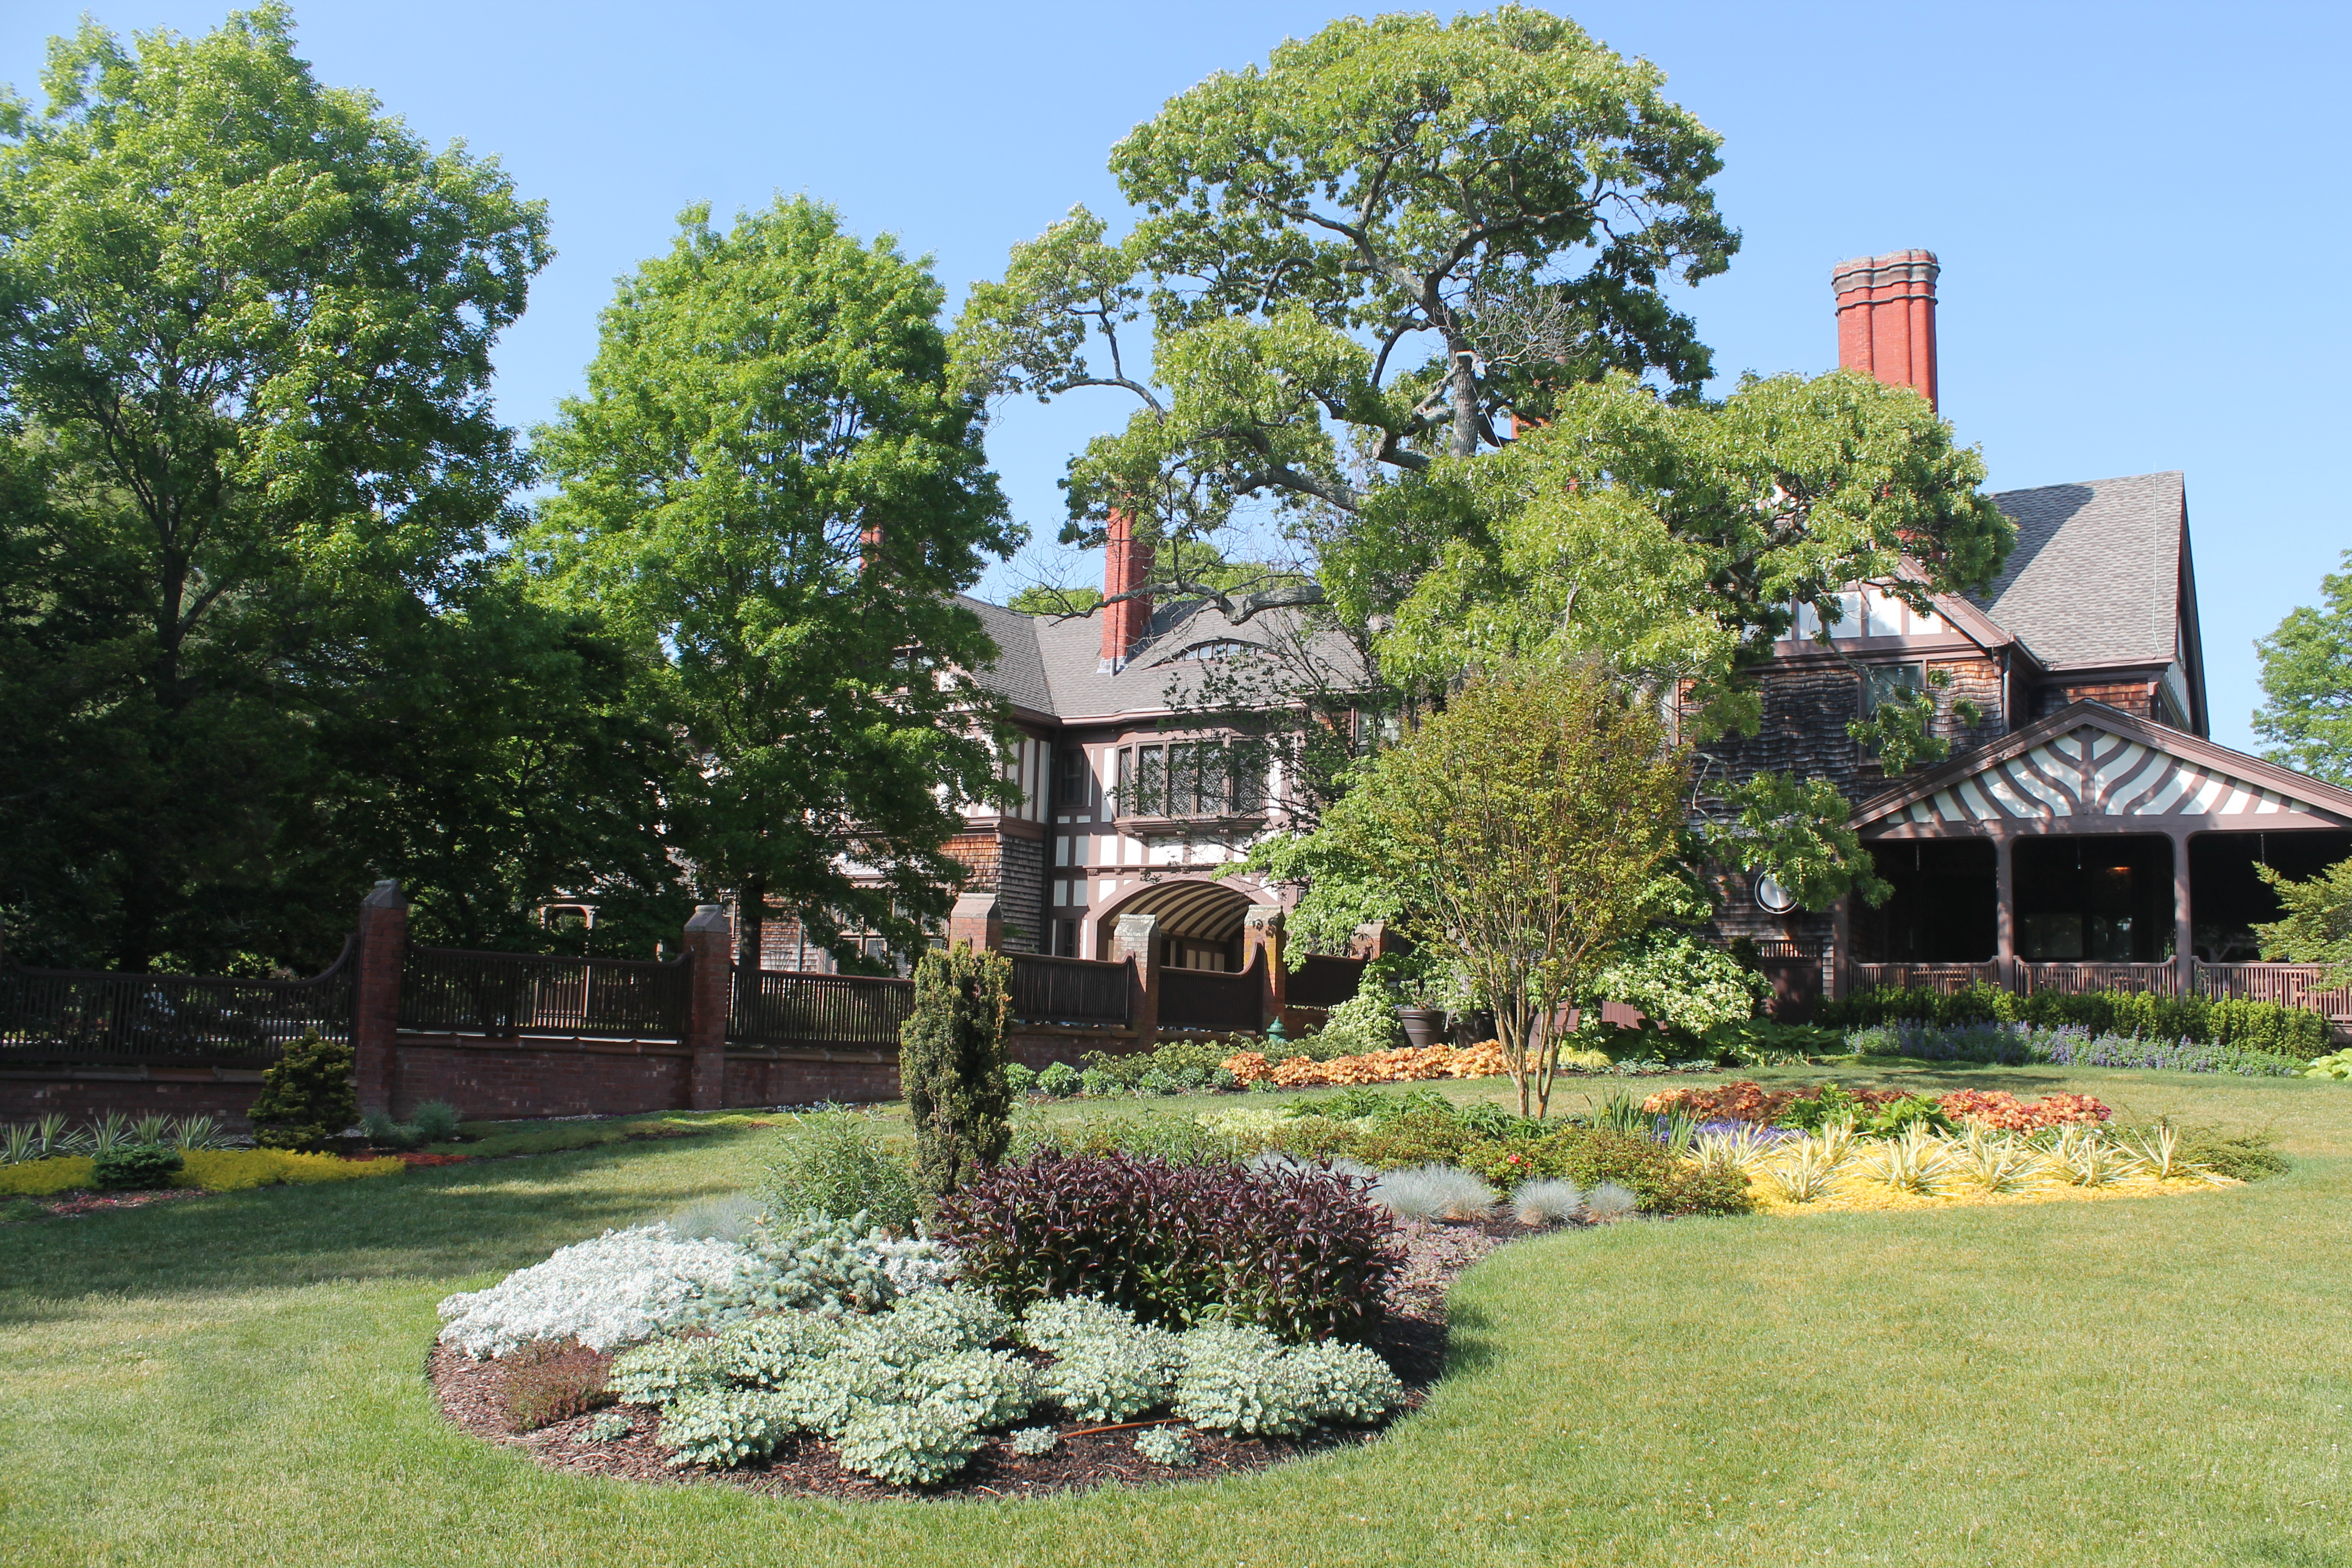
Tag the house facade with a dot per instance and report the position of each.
(2083, 829)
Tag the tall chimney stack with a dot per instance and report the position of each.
(1126, 566)
(1886, 318)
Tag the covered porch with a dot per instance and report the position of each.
(2093, 851)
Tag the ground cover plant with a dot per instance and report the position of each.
(2067, 1046)
(2267, 1028)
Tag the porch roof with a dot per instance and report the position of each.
(2090, 767)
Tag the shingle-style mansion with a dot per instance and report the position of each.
(2083, 818)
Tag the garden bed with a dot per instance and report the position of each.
(1411, 1341)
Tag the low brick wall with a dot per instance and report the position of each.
(503, 1080)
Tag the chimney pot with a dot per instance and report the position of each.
(1886, 318)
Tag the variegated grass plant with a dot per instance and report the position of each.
(1917, 1162)
(1801, 1171)
(1993, 1165)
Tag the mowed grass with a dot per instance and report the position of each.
(239, 1379)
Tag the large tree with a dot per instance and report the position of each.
(245, 334)
(2306, 711)
(1404, 292)
(773, 490)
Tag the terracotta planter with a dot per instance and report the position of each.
(1424, 1027)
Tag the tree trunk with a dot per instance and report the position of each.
(750, 922)
(1466, 402)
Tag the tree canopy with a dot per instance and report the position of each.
(773, 492)
(251, 466)
(2306, 711)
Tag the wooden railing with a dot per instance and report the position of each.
(72, 1014)
(1082, 991)
(449, 991)
(1212, 999)
(2082, 979)
(1947, 978)
(2290, 984)
(1323, 980)
(779, 1008)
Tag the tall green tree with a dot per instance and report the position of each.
(2306, 711)
(245, 333)
(773, 488)
(1531, 831)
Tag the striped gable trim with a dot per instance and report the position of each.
(2090, 771)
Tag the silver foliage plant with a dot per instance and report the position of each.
(1433, 1191)
(1166, 1446)
(1107, 1366)
(1237, 1377)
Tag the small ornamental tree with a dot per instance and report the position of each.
(307, 1096)
(1532, 827)
(2317, 925)
(952, 1064)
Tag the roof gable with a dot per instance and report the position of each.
(2097, 575)
(2088, 759)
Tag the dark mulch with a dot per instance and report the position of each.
(472, 1396)
(67, 1204)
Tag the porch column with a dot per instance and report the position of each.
(1262, 940)
(977, 924)
(711, 994)
(2184, 935)
(1136, 937)
(2004, 918)
(1841, 947)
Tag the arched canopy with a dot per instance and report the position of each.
(1193, 906)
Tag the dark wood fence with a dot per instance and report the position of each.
(447, 991)
(84, 1016)
(1212, 999)
(2082, 979)
(1947, 978)
(1083, 991)
(781, 1008)
(1323, 980)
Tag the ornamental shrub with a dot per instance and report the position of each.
(550, 1381)
(1107, 1366)
(1059, 1081)
(135, 1167)
(723, 1428)
(1660, 1183)
(1238, 1378)
(436, 1122)
(306, 1096)
(1364, 1023)
(951, 1063)
(41, 1178)
(834, 1164)
(911, 1444)
(623, 1287)
(1165, 1446)
(1299, 1251)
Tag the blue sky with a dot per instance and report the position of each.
(2140, 208)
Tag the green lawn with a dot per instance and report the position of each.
(237, 1378)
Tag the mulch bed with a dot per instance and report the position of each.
(1414, 1341)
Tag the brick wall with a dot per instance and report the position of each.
(88, 1094)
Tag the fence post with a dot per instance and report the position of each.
(976, 922)
(375, 997)
(1136, 937)
(709, 997)
(1262, 942)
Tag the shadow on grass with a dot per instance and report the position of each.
(432, 1224)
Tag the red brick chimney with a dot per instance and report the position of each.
(1126, 566)
(1886, 318)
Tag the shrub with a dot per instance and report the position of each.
(1020, 1080)
(1660, 1183)
(1422, 1136)
(1032, 1441)
(550, 1381)
(1060, 1080)
(1364, 1023)
(1238, 1378)
(2265, 1027)
(1107, 1366)
(1433, 1191)
(306, 1096)
(41, 1178)
(235, 1170)
(385, 1133)
(1165, 1446)
(436, 1122)
(1172, 1061)
(834, 1164)
(1179, 1140)
(951, 1063)
(723, 1428)
(1299, 1251)
(621, 1288)
(139, 1166)
(911, 1444)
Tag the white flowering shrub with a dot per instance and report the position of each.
(1238, 1378)
(1166, 1446)
(1684, 983)
(621, 1288)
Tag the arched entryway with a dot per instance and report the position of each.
(1199, 921)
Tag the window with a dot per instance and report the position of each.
(1223, 647)
(1065, 939)
(1192, 779)
(1891, 683)
(1070, 778)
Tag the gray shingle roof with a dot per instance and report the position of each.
(1019, 673)
(2096, 575)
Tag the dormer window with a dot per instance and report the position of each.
(1221, 647)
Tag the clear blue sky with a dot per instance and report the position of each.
(2140, 208)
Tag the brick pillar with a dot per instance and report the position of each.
(976, 922)
(1126, 566)
(710, 992)
(1262, 944)
(375, 998)
(1137, 939)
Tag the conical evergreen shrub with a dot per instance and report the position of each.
(951, 1066)
(307, 1096)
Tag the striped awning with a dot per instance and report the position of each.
(1192, 907)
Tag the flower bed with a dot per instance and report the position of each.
(1744, 1101)
(1407, 1065)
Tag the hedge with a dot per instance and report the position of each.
(2252, 1026)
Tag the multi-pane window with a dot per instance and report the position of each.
(1883, 683)
(1191, 779)
(1070, 778)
